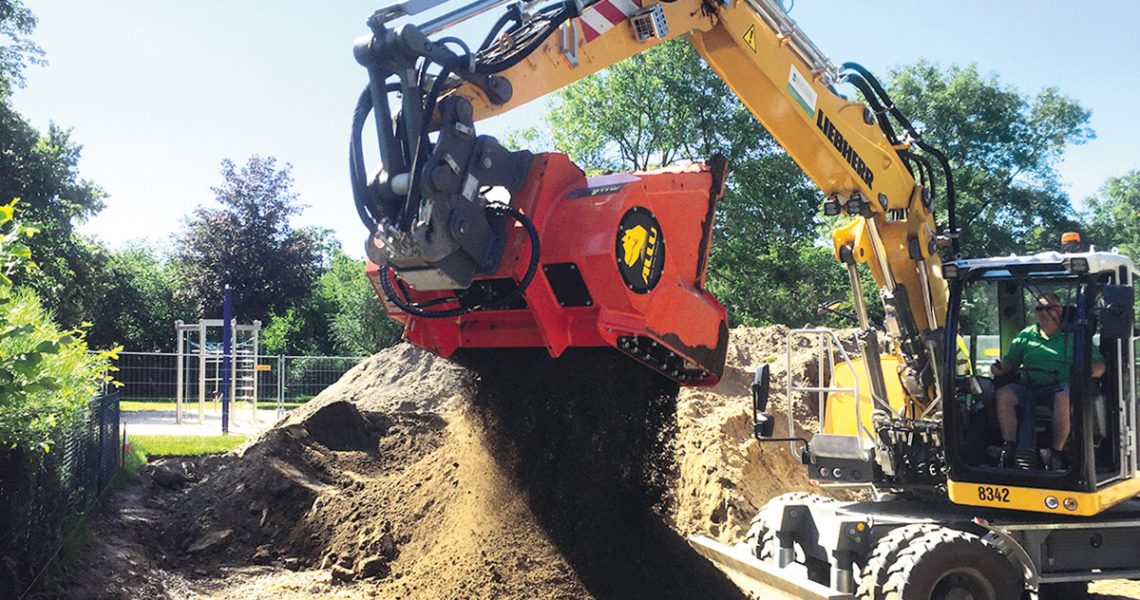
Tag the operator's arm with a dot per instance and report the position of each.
(1013, 357)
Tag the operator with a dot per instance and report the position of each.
(1045, 354)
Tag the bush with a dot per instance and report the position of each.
(47, 375)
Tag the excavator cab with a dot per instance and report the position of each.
(994, 299)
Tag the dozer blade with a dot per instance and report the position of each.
(760, 578)
(621, 263)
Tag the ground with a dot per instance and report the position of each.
(410, 478)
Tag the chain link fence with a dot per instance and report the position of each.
(42, 495)
(273, 382)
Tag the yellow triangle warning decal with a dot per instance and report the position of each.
(750, 37)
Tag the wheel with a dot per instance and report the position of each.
(951, 565)
(765, 546)
(1070, 590)
(886, 553)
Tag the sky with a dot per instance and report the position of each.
(158, 92)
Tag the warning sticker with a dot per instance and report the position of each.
(802, 92)
(750, 37)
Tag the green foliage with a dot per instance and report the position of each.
(16, 50)
(359, 325)
(301, 330)
(658, 107)
(249, 244)
(770, 261)
(666, 105)
(43, 171)
(137, 302)
(342, 316)
(47, 375)
(1004, 147)
(1113, 215)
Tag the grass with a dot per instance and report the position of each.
(128, 473)
(145, 446)
(184, 445)
(170, 405)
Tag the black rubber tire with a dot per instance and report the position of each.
(886, 553)
(941, 562)
(1070, 590)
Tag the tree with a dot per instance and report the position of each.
(42, 170)
(249, 244)
(359, 325)
(666, 105)
(47, 375)
(1003, 147)
(16, 49)
(342, 316)
(1113, 216)
(137, 304)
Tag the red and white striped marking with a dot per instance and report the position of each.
(602, 17)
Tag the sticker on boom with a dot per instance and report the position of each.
(640, 250)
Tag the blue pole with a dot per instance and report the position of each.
(227, 349)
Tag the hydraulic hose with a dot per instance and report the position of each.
(565, 13)
(358, 174)
(420, 310)
(861, 84)
(948, 175)
(882, 94)
(951, 198)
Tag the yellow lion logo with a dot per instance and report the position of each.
(633, 245)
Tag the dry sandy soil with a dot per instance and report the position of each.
(415, 478)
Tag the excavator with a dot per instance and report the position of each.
(474, 246)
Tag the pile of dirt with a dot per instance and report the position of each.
(724, 475)
(520, 476)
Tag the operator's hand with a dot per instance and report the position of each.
(1000, 367)
(1098, 369)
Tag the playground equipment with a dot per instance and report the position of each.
(200, 360)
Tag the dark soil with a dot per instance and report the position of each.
(591, 437)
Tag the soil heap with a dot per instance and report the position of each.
(518, 476)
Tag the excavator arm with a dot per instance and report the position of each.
(622, 258)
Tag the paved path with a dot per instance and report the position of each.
(163, 422)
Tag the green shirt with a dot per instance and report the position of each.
(1046, 355)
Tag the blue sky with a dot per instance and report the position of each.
(159, 92)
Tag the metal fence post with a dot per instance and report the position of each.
(280, 386)
(180, 377)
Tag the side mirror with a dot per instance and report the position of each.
(1116, 311)
(763, 424)
(760, 387)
